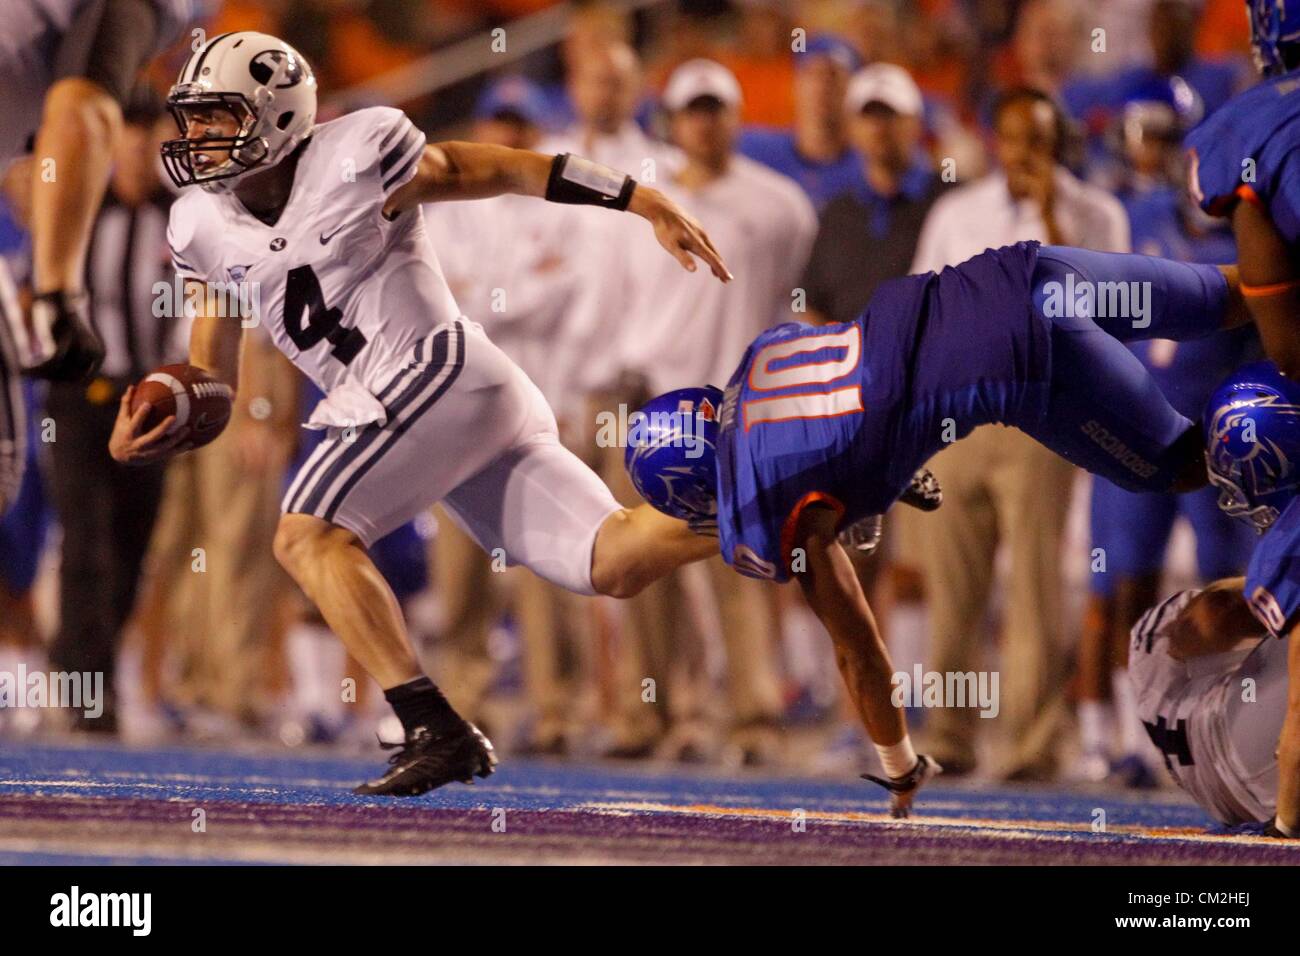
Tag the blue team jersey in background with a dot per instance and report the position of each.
(822, 182)
(846, 413)
(1187, 372)
(1249, 146)
(1273, 576)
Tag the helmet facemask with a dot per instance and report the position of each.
(190, 161)
(1235, 503)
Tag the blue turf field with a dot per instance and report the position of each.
(117, 805)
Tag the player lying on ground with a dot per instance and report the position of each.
(421, 407)
(1252, 437)
(823, 427)
(1211, 690)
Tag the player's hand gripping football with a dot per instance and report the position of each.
(132, 444)
(677, 232)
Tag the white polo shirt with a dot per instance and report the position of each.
(687, 328)
(982, 215)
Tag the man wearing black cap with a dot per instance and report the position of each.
(869, 233)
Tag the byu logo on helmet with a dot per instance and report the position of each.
(1252, 434)
(671, 453)
(266, 64)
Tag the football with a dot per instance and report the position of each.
(198, 401)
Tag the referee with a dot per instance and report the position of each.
(107, 512)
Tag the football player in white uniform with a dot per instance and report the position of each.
(1211, 689)
(322, 223)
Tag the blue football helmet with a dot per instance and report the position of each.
(672, 453)
(1274, 29)
(1252, 438)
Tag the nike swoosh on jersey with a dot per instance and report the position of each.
(324, 237)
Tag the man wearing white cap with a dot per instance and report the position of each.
(678, 332)
(868, 232)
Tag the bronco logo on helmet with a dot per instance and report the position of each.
(1253, 443)
(672, 453)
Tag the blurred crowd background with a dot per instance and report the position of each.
(827, 146)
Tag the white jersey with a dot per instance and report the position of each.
(360, 304)
(587, 345)
(687, 328)
(30, 42)
(512, 265)
(343, 292)
(1215, 718)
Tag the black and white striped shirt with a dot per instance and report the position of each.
(127, 257)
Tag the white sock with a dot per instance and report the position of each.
(1132, 735)
(898, 759)
(1096, 723)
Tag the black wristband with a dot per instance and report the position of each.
(580, 182)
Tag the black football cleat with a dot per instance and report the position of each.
(903, 790)
(427, 760)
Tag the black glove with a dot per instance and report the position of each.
(924, 492)
(61, 320)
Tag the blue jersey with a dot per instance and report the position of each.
(845, 414)
(822, 182)
(1161, 226)
(1248, 150)
(1273, 576)
(1187, 372)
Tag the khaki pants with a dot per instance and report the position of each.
(1000, 487)
(473, 597)
(221, 603)
(664, 642)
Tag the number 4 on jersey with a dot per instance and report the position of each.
(302, 293)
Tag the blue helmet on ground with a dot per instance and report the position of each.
(1252, 438)
(1274, 34)
(672, 453)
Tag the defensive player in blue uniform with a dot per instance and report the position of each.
(1245, 166)
(1131, 531)
(1252, 435)
(824, 427)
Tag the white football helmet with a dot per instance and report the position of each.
(260, 80)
